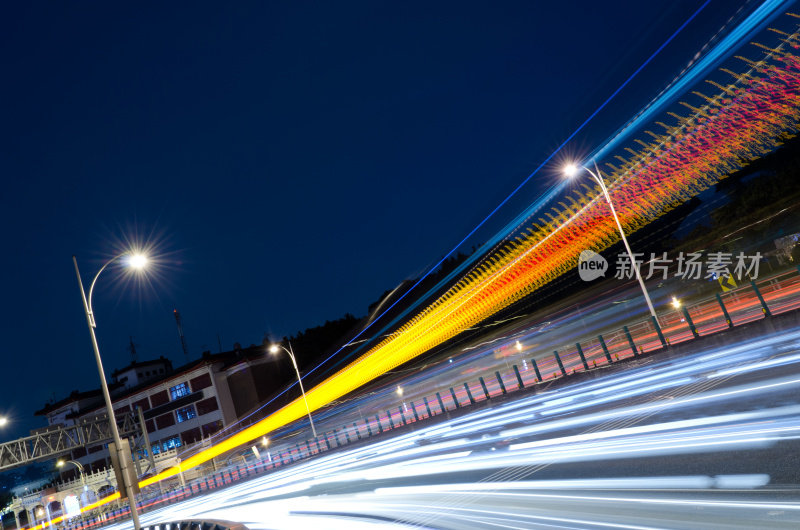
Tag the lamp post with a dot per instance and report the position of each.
(274, 349)
(61, 463)
(572, 170)
(136, 261)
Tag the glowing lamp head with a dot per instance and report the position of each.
(570, 170)
(399, 391)
(274, 348)
(676, 303)
(137, 261)
(60, 463)
(3, 421)
(264, 441)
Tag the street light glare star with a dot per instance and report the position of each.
(3, 421)
(273, 348)
(137, 261)
(570, 170)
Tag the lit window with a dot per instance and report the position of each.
(171, 443)
(179, 391)
(186, 413)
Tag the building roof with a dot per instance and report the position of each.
(142, 364)
(227, 358)
(73, 397)
(207, 358)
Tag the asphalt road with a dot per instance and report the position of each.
(707, 440)
(536, 336)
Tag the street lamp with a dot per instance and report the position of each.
(136, 261)
(3, 421)
(275, 348)
(676, 303)
(62, 462)
(572, 170)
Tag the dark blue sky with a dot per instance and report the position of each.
(292, 160)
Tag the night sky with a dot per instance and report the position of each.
(288, 162)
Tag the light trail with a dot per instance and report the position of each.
(503, 235)
(403, 482)
(522, 268)
(745, 120)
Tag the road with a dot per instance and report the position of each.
(706, 440)
(535, 337)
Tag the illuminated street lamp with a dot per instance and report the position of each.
(62, 463)
(135, 261)
(3, 421)
(676, 303)
(275, 348)
(572, 170)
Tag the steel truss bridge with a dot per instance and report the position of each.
(59, 441)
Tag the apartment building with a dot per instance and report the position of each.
(180, 406)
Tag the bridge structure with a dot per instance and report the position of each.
(43, 505)
(61, 440)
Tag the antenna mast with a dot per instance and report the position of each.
(180, 332)
(132, 349)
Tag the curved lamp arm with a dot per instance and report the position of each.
(598, 177)
(300, 382)
(91, 287)
(87, 302)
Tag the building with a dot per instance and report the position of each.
(181, 407)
